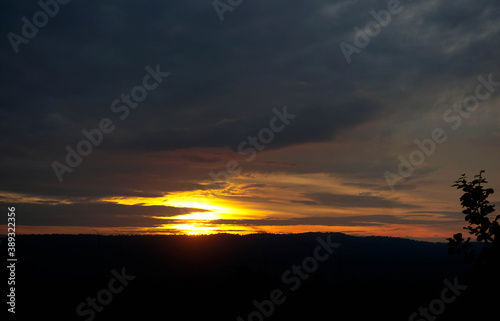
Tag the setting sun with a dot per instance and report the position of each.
(196, 212)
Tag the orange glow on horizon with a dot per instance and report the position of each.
(199, 210)
(199, 228)
(254, 203)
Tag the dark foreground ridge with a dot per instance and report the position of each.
(231, 277)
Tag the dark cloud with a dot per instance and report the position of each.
(451, 215)
(96, 214)
(225, 79)
(351, 220)
(342, 200)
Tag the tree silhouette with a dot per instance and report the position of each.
(476, 210)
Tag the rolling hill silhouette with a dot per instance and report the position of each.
(220, 276)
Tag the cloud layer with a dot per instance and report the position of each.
(353, 120)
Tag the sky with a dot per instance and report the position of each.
(199, 117)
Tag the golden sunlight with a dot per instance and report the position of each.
(190, 229)
(195, 222)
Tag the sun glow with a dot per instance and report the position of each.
(271, 204)
(191, 229)
(196, 211)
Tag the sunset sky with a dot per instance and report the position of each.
(431, 72)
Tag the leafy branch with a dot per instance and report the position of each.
(476, 210)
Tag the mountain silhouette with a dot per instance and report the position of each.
(220, 276)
